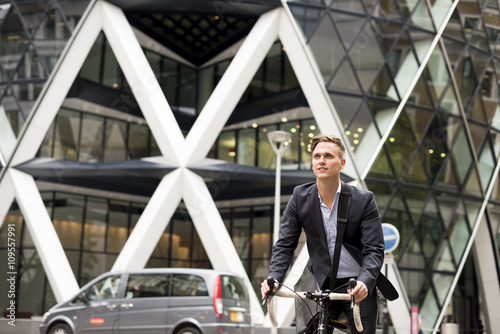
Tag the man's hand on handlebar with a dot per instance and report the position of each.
(359, 292)
(265, 287)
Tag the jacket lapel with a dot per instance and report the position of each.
(313, 204)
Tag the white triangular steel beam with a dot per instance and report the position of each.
(151, 224)
(231, 87)
(42, 232)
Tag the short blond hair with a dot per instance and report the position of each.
(328, 139)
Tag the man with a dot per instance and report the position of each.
(313, 207)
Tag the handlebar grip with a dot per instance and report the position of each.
(352, 283)
(270, 284)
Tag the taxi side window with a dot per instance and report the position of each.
(107, 288)
(147, 286)
(188, 285)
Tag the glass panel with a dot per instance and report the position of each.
(415, 199)
(106, 288)
(454, 27)
(466, 81)
(437, 73)
(412, 281)
(111, 74)
(434, 149)
(461, 156)
(290, 158)
(473, 184)
(349, 26)
(187, 91)
(419, 120)
(444, 259)
(307, 17)
(440, 9)
(366, 56)
(387, 9)
(308, 130)
(181, 241)
(345, 79)
(188, 285)
(346, 107)
(430, 230)
(420, 16)
(138, 137)
(363, 134)
(349, 5)
(459, 233)
(327, 48)
(411, 256)
(95, 224)
(429, 309)
(398, 216)
(273, 73)
(416, 172)
(241, 232)
(442, 282)
(199, 255)
(246, 147)
(486, 165)
(401, 144)
(156, 285)
(266, 157)
(261, 232)
(14, 41)
(94, 264)
(404, 65)
(116, 134)
(383, 111)
(117, 226)
(473, 209)
(67, 135)
(67, 219)
(226, 146)
(91, 141)
(383, 83)
(91, 68)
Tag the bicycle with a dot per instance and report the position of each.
(321, 298)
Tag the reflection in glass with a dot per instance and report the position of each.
(459, 233)
(91, 138)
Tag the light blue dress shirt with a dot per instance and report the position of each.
(348, 266)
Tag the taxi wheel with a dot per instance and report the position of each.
(189, 330)
(60, 329)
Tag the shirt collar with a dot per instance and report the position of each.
(339, 189)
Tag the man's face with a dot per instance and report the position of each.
(327, 161)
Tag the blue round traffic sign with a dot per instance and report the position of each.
(391, 237)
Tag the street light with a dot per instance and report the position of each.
(279, 142)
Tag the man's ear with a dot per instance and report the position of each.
(343, 164)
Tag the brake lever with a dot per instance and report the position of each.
(270, 284)
(352, 284)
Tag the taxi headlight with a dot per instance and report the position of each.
(45, 316)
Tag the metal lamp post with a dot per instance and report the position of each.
(279, 142)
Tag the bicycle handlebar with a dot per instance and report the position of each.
(314, 295)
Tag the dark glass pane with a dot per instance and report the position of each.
(111, 74)
(115, 145)
(246, 147)
(430, 230)
(290, 158)
(67, 135)
(95, 224)
(366, 56)
(226, 149)
(274, 71)
(459, 233)
(241, 232)
(306, 17)
(94, 264)
(401, 144)
(415, 199)
(462, 156)
(362, 131)
(454, 27)
(187, 90)
(91, 68)
(382, 169)
(346, 107)
(397, 215)
(117, 226)
(349, 26)
(91, 141)
(138, 137)
(308, 130)
(412, 256)
(14, 41)
(327, 48)
(386, 9)
(345, 79)
(466, 81)
(266, 156)
(181, 240)
(67, 220)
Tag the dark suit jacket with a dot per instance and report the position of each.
(363, 237)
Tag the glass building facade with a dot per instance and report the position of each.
(413, 85)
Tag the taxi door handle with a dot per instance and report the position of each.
(129, 305)
(112, 306)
